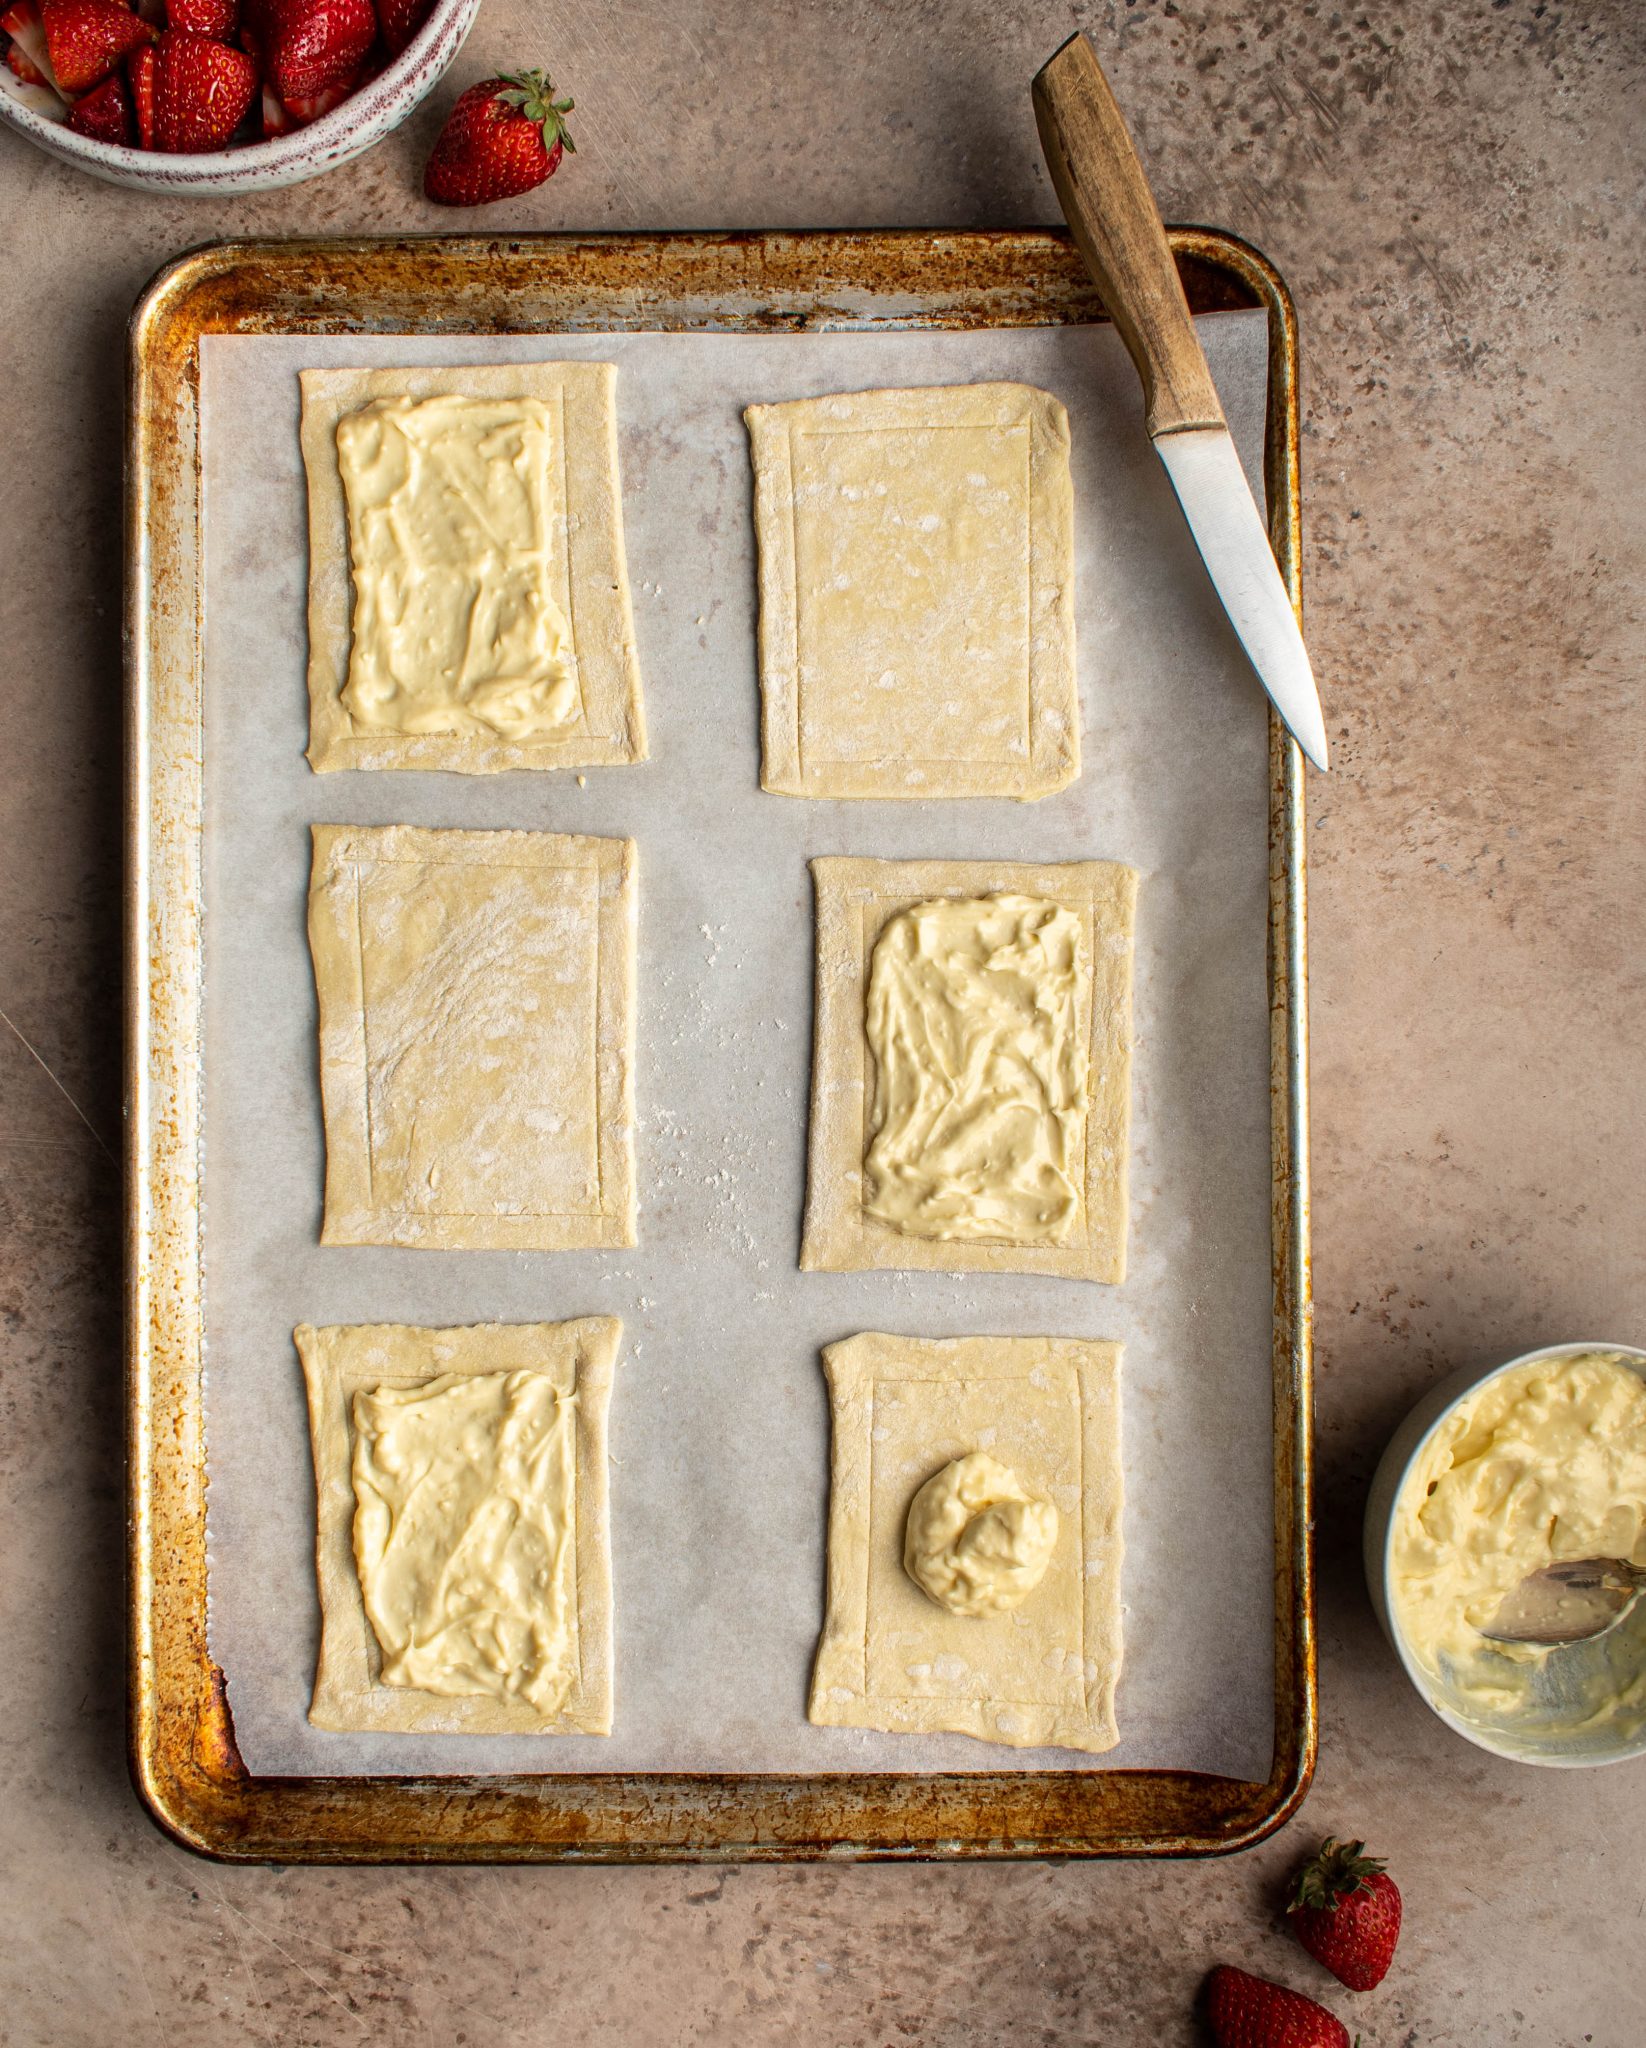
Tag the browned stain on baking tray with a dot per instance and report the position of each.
(183, 1753)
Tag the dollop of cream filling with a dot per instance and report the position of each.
(1543, 1463)
(451, 537)
(975, 1019)
(976, 1541)
(464, 1534)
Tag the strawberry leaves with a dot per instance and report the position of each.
(505, 136)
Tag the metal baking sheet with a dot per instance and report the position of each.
(719, 1421)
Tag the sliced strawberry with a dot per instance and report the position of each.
(274, 118)
(140, 70)
(18, 64)
(39, 99)
(311, 45)
(301, 112)
(203, 90)
(87, 39)
(215, 18)
(105, 114)
(22, 23)
(401, 20)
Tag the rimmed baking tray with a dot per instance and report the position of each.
(184, 1755)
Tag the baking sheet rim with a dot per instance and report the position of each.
(181, 1740)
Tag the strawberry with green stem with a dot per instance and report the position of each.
(1345, 1910)
(504, 136)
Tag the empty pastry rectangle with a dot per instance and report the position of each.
(393, 1363)
(856, 899)
(916, 593)
(449, 506)
(476, 995)
(901, 1409)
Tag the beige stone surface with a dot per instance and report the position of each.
(1455, 196)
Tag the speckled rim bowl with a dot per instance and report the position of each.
(363, 118)
(1406, 1446)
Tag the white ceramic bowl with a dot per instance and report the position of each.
(363, 118)
(1580, 1672)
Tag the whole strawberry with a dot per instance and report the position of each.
(1346, 1910)
(503, 137)
(1250, 2012)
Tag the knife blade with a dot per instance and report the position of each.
(1101, 185)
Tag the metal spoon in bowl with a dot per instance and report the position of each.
(1570, 1602)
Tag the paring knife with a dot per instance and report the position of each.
(1116, 225)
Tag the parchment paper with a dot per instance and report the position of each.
(719, 1418)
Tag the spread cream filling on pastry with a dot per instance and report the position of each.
(978, 1120)
(463, 1534)
(976, 1542)
(450, 537)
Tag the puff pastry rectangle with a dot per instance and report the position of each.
(593, 584)
(889, 1658)
(855, 898)
(341, 1361)
(916, 593)
(476, 1037)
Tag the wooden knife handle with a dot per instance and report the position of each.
(1095, 169)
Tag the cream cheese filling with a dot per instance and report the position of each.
(1543, 1463)
(463, 1534)
(976, 1541)
(974, 1018)
(452, 528)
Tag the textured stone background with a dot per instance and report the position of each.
(1454, 193)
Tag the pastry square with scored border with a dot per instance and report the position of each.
(565, 440)
(902, 1408)
(916, 593)
(855, 899)
(476, 995)
(345, 1360)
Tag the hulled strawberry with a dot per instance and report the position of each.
(309, 46)
(504, 136)
(140, 68)
(401, 19)
(1250, 2012)
(218, 19)
(105, 114)
(1346, 1912)
(26, 52)
(87, 39)
(202, 91)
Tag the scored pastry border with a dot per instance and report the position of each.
(855, 898)
(855, 1369)
(341, 1359)
(352, 1215)
(610, 729)
(1053, 706)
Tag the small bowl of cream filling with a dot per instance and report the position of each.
(1492, 1477)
